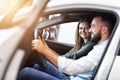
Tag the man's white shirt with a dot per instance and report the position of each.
(83, 64)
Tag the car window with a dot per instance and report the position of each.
(63, 33)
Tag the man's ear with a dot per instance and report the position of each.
(104, 29)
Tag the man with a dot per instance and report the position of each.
(81, 68)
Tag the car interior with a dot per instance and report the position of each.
(54, 16)
(33, 57)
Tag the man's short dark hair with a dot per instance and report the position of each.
(107, 19)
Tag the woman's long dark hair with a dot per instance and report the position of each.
(78, 39)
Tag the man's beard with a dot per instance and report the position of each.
(96, 38)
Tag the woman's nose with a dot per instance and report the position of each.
(83, 29)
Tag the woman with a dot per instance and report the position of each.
(83, 44)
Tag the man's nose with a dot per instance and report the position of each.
(89, 30)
